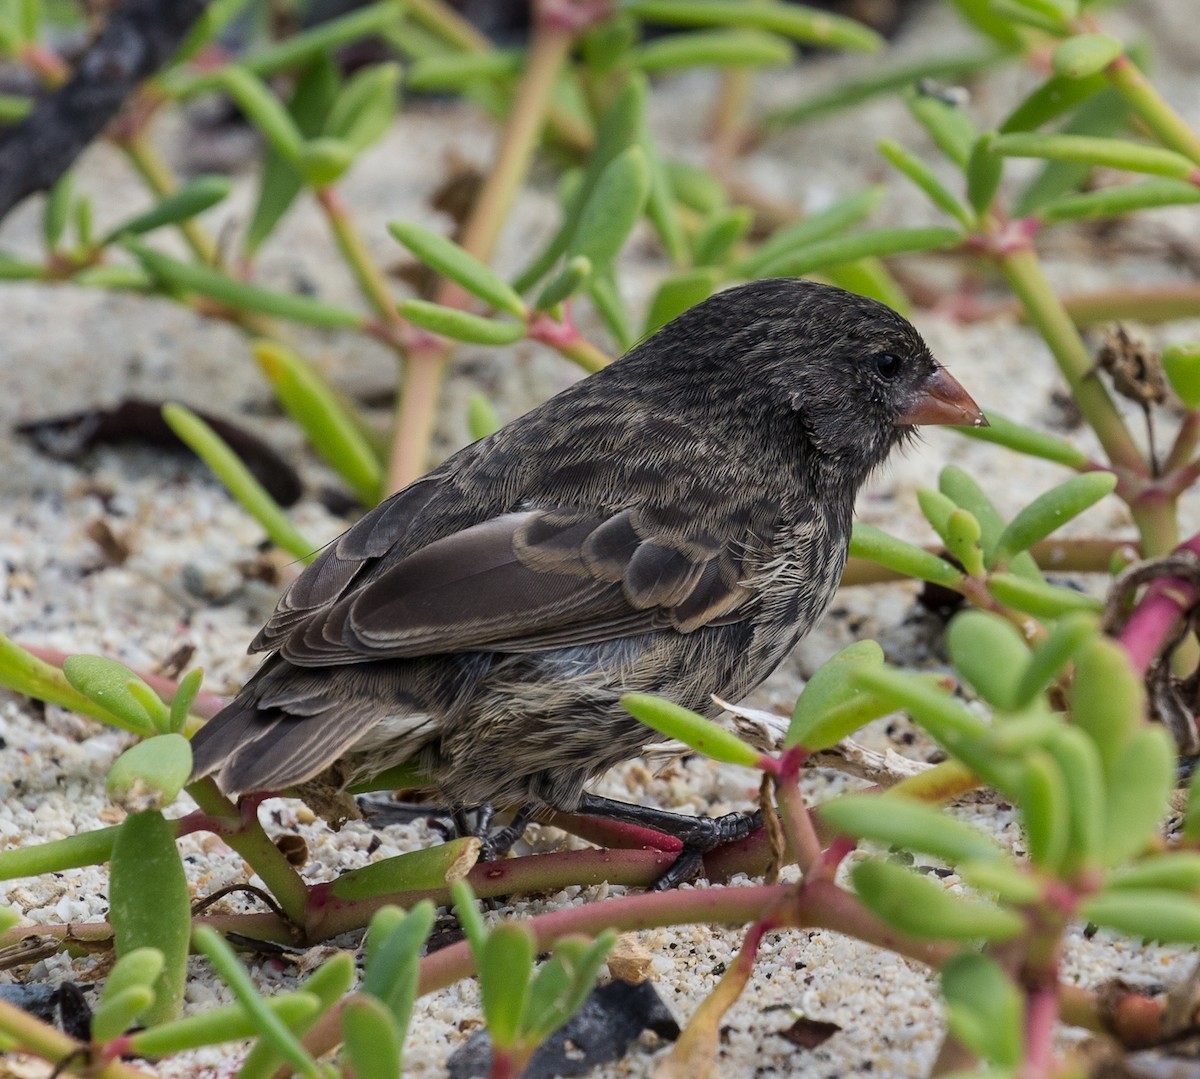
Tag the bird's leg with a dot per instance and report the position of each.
(498, 843)
(699, 835)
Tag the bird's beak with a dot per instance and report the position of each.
(942, 400)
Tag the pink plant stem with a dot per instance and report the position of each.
(1166, 601)
(1041, 1016)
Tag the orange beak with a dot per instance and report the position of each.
(943, 401)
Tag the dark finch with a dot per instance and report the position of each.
(671, 525)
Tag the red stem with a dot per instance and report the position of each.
(1166, 601)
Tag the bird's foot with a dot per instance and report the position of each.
(699, 835)
(494, 844)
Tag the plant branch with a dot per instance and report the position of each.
(1021, 267)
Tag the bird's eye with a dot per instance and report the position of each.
(887, 364)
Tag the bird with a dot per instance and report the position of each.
(672, 524)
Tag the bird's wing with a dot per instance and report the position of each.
(524, 581)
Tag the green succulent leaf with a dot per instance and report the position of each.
(1149, 913)
(990, 653)
(984, 1009)
(1136, 800)
(703, 735)
(461, 325)
(918, 905)
(831, 688)
(150, 906)
(451, 261)
(909, 825)
(870, 543)
(1050, 511)
(1085, 54)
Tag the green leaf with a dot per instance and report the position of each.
(317, 409)
(1080, 766)
(393, 964)
(958, 486)
(947, 719)
(984, 172)
(227, 1024)
(128, 991)
(720, 48)
(620, 128)
(1026, 440)
(990, 653)
(676, 294)
(456, 71)
(948, 125)
(151, 774)
(847, 93)
(717, 236)
(924, 177)
(229, 469)
(1177, 870)
(870, 543)
(451, 261)
(963, 538)
(57, 209)
(1148, 913)
(417, 870)
(1049, 659)
(703, 735)
(266, 1022)
(107, 683)
(875, 243)
(1136, 799)
(1013, 885)
(563, 984)
(1103, 114)
(1050, 100)
(1051, 511)
(263, 109)
(1181, 362)
(606, 297)
(565, 284)
(365, 106)
(1117, 201)
(323, 160)
(149, 905)
(612, 209)
(302, 47)
(833, 220)
(1043, 802)
(1085, 54)
(117, 1013)
(1108, 701)
(803, 24)
(984, 1009)
(1047, 15)
(694, 187)
(895, 821)
(371, 1039)
(481, 416)
(504, 981)
(1089, 150)
(937, 509)
(461, 325)
(240, 295)
(918, 905)
(279, 181)
(191, 199)
(830, 687)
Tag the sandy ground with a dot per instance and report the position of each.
(65, 349)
